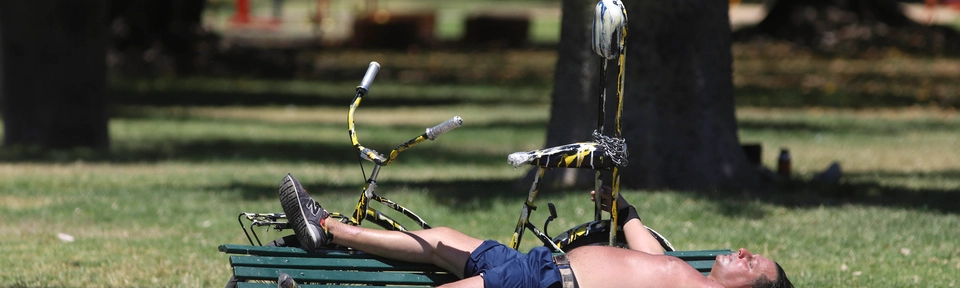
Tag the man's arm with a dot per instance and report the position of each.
(638, 238)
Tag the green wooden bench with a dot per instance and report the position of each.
(344, 268)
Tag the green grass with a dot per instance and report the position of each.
(153, 210)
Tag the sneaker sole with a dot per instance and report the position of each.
(290, 200)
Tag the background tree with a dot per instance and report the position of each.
(54, 62)
(54, 73)
(573, 112)
(678, 116)
(850, 28)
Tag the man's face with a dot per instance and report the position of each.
(741, 269)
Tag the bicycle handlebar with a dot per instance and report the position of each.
(433, 133)
(430, 134)
(374, 156)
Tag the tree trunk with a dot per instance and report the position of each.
(678, 115)
(573, 112)
(54, 73)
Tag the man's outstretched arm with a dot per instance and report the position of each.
(638, 238)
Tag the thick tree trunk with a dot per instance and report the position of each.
(679, 119)
(678, 116)
(573, 112)
(1, 69)
(54, 73)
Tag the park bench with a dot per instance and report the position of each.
(341, 268)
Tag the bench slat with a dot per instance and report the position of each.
(339, 253)
(363, 264)
(274, 285)
(700, 261)
(698, 254)
(291, 252)
(701, 265)
(360, 277)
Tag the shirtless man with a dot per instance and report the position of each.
(491, 264)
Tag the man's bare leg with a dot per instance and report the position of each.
(439, 246)
(443, 247)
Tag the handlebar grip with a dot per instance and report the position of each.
(433, 133)
(371, 73)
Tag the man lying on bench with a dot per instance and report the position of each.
(491, 264)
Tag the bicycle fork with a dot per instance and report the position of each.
(364, 211)
(524, 222)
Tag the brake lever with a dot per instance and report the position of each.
(553, 215)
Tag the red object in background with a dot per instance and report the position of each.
(242, 14)
(242, 19)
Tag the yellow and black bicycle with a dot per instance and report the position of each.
(604, 153)
(363, 211)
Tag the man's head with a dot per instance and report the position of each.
(743, 269)
(780, 282)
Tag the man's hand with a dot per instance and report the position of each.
(605, 199)
(625, 212)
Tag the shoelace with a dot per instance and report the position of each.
(317, 209)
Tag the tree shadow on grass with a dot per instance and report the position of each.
(243, 148)
(282, 94)
(211, 99)
(804, 126)
(786, 97)
(447, 193)
(218, 149)
(871, 193)
(196, 151)
(857, 190)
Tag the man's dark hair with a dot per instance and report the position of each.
(781, 281)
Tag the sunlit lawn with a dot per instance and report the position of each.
(153, 212)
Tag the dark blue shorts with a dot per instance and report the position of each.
(502, 266)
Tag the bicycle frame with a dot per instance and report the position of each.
(603, 154)
(363, 211)
(611, 14)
